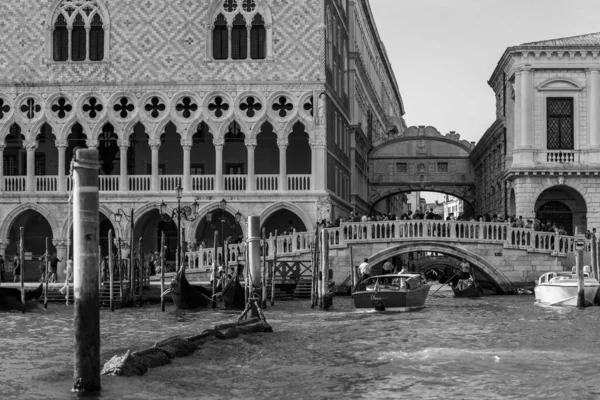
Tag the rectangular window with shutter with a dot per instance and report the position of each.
(560, 135)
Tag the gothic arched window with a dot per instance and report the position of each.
(79, 31)
(258, 38)
(78, 39)
(239, 38)
(240, 30)
(60, 39)
(220, 39)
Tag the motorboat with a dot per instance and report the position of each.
(392, 292)
(560, 288)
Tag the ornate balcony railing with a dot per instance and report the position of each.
(267, 183)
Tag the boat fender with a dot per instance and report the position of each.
(379, 306)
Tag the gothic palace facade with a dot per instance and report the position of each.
(270, 105)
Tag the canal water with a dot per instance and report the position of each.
(502, 347)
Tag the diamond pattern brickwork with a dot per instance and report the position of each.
(162, 40)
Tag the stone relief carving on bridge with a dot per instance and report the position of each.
(324, 208)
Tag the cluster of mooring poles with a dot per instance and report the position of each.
(320, 295)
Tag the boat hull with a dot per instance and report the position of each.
(564, 294)
(189, 297)
(391, 300)
(473, 289)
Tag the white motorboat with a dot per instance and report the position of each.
(560, 288)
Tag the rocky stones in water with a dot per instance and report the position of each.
(137, 363)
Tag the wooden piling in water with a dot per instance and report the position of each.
(86, 232)
(141, 272)
(46, 277)
(352, 271)
(324, 271)
(162, 272)
(120, 264)
(22, 265)
(580, 279)
(594, 256)
(263, 286)
(111, 276)
(215, 267)
(272, 272)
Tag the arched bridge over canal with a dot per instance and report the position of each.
(508, 257)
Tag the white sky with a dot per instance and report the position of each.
(444, 51)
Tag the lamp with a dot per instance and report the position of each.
(187, 212)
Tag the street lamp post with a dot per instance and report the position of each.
(187, 212)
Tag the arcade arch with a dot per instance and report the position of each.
(563, 206)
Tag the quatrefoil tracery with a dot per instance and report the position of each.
(186, 107)
(155, 107)
(4, 108)
(124, 107)
(251, 106)
(282, 106)
(61, 108)
(93, 107)
(218, 106)
(30, 108)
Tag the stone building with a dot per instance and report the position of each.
(247, 101)
(547, 134)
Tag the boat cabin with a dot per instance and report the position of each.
(561, 276)
(392, 282)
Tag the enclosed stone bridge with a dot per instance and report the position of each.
(422, 159)
(508, 257)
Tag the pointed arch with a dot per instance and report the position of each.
(193, 128)
(97, 129)
(225, 126)
(65, 228)
(289, 127)
(5, 128)
(66, 130)
(129, 127)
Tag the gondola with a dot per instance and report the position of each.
(467, 288)
(187, 296)
(232, 294)
(10, 298)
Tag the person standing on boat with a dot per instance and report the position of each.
(16, 269)
(465, 269)
(364, 269)
(388, 267)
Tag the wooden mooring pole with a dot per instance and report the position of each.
(352, 271)
(111, 265)
(315, 271)
(215, 267)
(263, 286)
(162, 272)
(47, 268)
(86, 232)
(142, 269)
(272, 272)
(580, 279)
(595, 256)
(22, 264)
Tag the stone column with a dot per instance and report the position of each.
(187, 178)
(30, 146)
(61, 147)
(229, 29)
(61, 254)
(87, 44)
(69, 36)
(123, 176)
(92, 144)
(218, 143)
(250, 147)
(594, 111)
(282, 144)
(1, 167)
(269, 29)
(155, 180)
(248, 36)
(319, 170)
